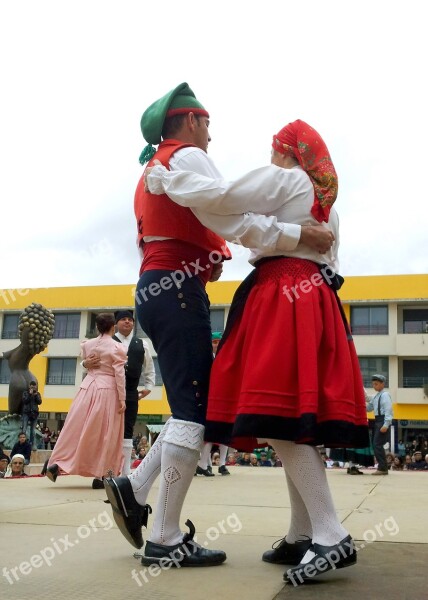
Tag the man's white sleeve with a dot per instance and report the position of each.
(148, 369)
(248, 229)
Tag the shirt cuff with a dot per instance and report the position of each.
(154, 180)
(290, 236)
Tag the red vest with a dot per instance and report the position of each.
(160, 216)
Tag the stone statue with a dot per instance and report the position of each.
(36, 326)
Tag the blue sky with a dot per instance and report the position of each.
(76, 77)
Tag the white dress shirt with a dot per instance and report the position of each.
(148, 364)
(265, 208)
(243, 227)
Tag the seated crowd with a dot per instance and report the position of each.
(409, 457)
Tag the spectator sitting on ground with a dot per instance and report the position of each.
(264, 462)
(389, 459)
(407, 462)
(142, 453)
(3, 455)
(397, 464)
(23, 447)
(253, 461)
(231, 460)
(3, 466)
(245, 460)
(143, 443)
(16, 467)
(275, 460)
(215, 459)
(419, 463)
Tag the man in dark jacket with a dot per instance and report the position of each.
(30, 410)
(23, 447)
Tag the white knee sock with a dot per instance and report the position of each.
(180, 453)
(306, 470)
(223, 454)
(127, 451)
(145, 474)
(300, 524)
(204, 460)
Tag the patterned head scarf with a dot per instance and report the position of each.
(9, 467)
(301, 141)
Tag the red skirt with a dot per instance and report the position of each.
(288, 368)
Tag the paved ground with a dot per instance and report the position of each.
(59, 541)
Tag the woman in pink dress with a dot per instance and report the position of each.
(91, 440)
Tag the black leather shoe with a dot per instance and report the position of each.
(98, 484)
(223, 470)
(45, 467)
(200, 471)
(129, 516)
(52, 472)
(186, 554)
(287, 554)
(354, 471)
(339, 556)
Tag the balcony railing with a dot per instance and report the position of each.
(415, 382)
(61, 379)
(370, 330)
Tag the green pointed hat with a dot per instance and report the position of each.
(180, 100)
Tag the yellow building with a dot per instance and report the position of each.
(388, 316)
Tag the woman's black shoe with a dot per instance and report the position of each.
(287, 554)
(45, 467)
(52, 472)
(98, 484)
(343, 554)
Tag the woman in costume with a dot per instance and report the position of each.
(314, 393)
(90, 443)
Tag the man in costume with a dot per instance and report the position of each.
(139, 361)
(180, 254)
(381, 404)
(314, 394)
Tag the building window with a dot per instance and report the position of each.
(67, 325)
(61, 371)
(10, 327)
(4, 371)
(369, 320)
(370, 365)
(415, 320)
(415, 373)
(217, 319)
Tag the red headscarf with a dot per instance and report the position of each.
(300, 140)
